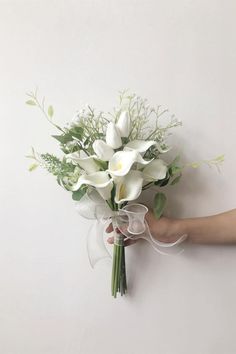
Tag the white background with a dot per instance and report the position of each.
(180, 54)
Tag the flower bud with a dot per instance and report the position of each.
(113, 138)
(124, 124)
(103, 151)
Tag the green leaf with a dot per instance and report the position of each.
(64, 138)
(30, 103)
(176, 180)
(50, 111)
(33, 167)
(195, 165)
(220, 158)
(174, 170)
(79, 193)
(77, 132)
(159, 204)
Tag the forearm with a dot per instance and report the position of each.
(214, 229)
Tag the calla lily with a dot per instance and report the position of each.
(155, 170)
(102, 150)
(88, 164)
(124, 124)
(139, 145)
(100, 180)
(122, 161)
(129, 187)
(143, 145)
(113, 138)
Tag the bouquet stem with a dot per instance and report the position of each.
(118, 282)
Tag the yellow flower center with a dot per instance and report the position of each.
(119, 165)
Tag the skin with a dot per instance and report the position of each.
(215, 229)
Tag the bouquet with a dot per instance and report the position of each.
(110, 159)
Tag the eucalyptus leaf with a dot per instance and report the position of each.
(33, 167)
(159, 204)
(50, 111)
(176, 180)
(30, 103)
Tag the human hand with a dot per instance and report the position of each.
(164, 229)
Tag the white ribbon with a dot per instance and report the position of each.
(130, 223)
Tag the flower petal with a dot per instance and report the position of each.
(124, 124)
(155, 170)
(88, 164)
(113, 138)
(143, 145)
(122, 161)
(102, 150)
(139, 145)
(100, 180)
(130, 187)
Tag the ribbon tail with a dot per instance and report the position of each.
(96, 248)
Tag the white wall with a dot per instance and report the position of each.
(177, 53)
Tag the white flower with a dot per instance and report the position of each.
(155, 170)
(124, 124)
(102, 150)
(88, 164)
(113, 138)
(100, 180)
(129, 187)
(122, 161)
(143, 145)
(139, 145)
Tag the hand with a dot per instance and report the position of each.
(163, 229)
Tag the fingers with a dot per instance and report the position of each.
(127, 242)
(109, 229)
(110, 240)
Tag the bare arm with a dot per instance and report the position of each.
(216, 229)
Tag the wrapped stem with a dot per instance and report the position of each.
(118, 283)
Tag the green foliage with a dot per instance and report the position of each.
(31, 103)
(63, 138)
(50, 111)
(176, 180)
(148, 123)
(77, 195)
(159, 204)
(65, 171)
(33, 167)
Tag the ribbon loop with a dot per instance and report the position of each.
(130, 220)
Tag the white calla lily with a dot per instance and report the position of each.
(124, 124)
(143, 145)
(113, 138)
(122, 161)
(139, 145)
(129, 187)
(155, 171)
(103, 151)
(88, 164)
(100, 180)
